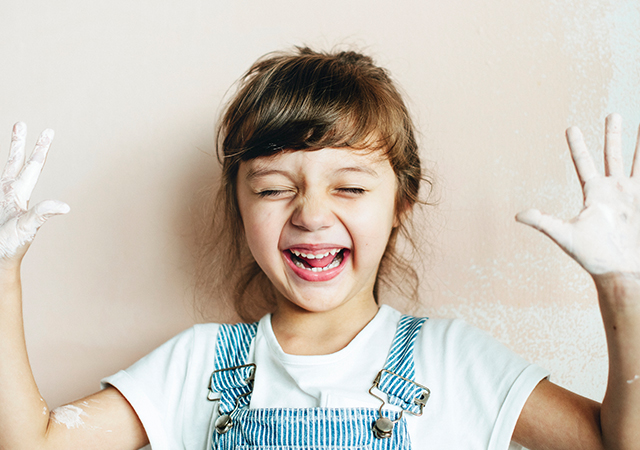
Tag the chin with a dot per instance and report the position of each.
(319, 300)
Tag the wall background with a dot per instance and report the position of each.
(133, 90)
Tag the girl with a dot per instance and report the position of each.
(320, 175)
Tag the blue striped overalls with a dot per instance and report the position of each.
(238, 427)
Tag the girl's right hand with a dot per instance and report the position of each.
(18, 224)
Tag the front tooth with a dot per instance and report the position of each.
(312, 256)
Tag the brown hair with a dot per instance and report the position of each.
(306, 100)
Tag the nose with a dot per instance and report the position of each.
(312, 214)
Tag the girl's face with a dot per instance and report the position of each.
(318, 222)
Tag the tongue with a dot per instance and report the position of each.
(321, 262)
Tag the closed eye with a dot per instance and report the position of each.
(352, 190)
(272, 193)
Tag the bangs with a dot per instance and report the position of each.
(312, 102)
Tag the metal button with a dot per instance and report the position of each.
(223, 424)
(383, 428)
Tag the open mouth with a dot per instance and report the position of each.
(317, 262)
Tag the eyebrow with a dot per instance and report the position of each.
(358, 169)
(258, 172)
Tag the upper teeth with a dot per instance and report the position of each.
(317, 256)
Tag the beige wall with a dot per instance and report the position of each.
(133, 88)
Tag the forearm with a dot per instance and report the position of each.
(24, 415)
(619, 296)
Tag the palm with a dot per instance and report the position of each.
(605, 236)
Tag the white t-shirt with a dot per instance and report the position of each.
(478, 386)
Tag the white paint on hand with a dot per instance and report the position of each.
(18, 225)
(637, 377)
(69, 415)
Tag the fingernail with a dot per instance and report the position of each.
(20, 128)
(47, 136)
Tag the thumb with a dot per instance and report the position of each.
(558, 230)
(30, 222)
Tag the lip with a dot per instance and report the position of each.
(308, 275)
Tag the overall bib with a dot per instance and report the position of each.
(239, 427)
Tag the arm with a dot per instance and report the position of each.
(25, 420)
(605, 240)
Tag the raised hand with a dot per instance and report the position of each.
(605, 236)
(18, 224)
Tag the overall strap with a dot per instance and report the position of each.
(232, 377)
(397, 379)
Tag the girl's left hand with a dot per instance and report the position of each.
(18, 222)
(605, 236)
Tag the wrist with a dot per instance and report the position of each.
(618, 292)
(9, 272)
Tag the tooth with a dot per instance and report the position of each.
(314, 256)
(333, 264)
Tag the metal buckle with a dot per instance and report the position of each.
(224, 422)
(249, 380)
(383, 427)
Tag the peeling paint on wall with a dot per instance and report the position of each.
(566, 339)
(624, 88)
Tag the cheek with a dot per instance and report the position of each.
(379, 213)
(372, 226)
(262, 231)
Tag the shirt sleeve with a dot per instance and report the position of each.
(478, 386)
(168, 389)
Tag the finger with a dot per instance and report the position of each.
(28, 178)
(613, 165)
(29, 223)
(558, 230)
(16, 151)
(585, 167)
(635, 168)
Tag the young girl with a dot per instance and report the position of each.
(320, 175)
